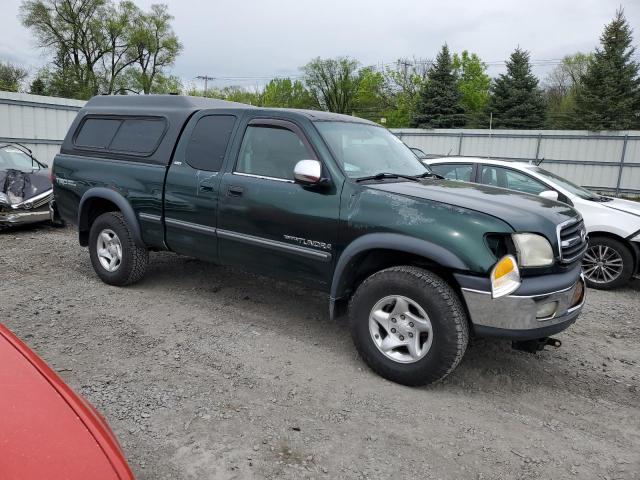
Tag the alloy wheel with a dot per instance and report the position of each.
(401, 329)
(109, 250)
(602, 264)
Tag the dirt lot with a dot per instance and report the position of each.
(206, 372)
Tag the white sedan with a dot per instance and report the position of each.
(613, 256)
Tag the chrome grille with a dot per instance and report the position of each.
(37, 201)
(573, 240)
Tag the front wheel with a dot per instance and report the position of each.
(114, 254)
(607, 263)
(408, 325)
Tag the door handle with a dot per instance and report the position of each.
(234, 191)
(206, 188)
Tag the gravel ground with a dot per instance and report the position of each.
(208, 372)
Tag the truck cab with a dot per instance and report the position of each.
(334, 202)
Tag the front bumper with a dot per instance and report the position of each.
(518, 317)
(22, 217)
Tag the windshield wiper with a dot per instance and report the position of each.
(429, 174)
(383, 175)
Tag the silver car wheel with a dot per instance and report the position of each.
(602, 264)
(401, 329)
(109, 250)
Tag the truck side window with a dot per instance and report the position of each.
(454, 171)
(208, 142)
(97, 133)
(270, 152)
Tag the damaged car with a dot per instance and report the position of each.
(25, 187)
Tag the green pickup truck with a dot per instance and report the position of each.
(334, 202)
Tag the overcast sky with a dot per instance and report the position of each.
(265, 38)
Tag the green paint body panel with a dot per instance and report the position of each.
(192, 212)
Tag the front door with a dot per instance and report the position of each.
(267, 222)
(192, 186)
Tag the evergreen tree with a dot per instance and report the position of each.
(439, 105)
(609, 98)
(516, 101)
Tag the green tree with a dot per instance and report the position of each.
(333, 82)
(11, 77)
(473, 84)
(38, 87)
(403, 83)
(157, 45)
(440, 105)
(284, 93)
(561, 86)
(609, 98)
(516, 100)
(101, 46)
(372, 98)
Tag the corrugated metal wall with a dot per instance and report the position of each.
(40, 123)
(606, 161)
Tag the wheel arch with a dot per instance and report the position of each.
(99, 200)
(374, 252)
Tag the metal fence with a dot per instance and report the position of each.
(604, 161)
(40, 123)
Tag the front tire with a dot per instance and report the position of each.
(115, 257)
(408, 325)
(607, 263)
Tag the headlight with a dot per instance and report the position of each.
(505, 277)
(533, 250)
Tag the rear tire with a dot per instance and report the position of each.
(607, 263)
(115, 257)
(404, 295)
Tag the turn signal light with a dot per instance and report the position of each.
(505, 277)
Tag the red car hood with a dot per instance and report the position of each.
(46, 430)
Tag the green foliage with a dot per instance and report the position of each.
(333, 83)
(284, 93)
(473, 84)
(561, 86)
(101, 46)
(11, 77)
(440, 104)
(609, 97)
(516, 100)
(371, 100)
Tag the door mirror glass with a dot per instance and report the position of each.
(307, 172)
(550, 194)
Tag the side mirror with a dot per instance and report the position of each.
(550, 194)
(308, 172)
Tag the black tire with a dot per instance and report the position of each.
(134, 259)
(628, 264)
(448, 318)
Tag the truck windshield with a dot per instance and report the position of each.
(367, 150)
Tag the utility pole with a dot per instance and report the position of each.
(206, 78)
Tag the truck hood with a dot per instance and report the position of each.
(523, 212)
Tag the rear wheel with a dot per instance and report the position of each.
(408, 325)
(114, 254)
(607, 263)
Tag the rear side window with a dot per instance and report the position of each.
(135, 136)
(208, 142)
(97, 133)
(454, 171)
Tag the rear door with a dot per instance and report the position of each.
(193, 183)
(267, 222)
